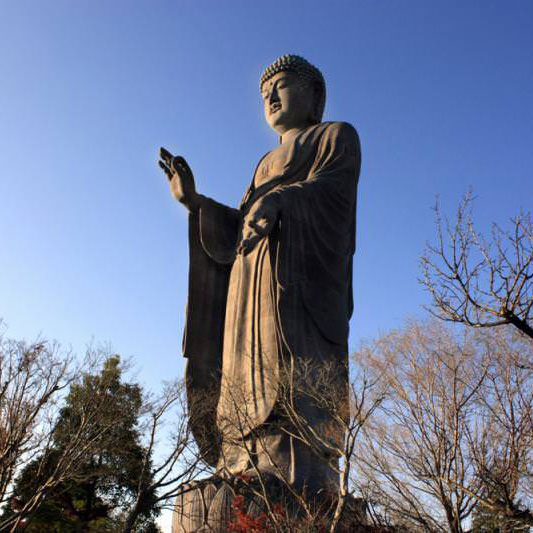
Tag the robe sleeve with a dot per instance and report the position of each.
(316, 235)
(213, 233)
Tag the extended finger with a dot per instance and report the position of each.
(165, 155)
(248, 235)
(166, 170)
(244, 248)
(259, 228)
(248, 244)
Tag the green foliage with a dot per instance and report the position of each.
(107, 478)
(486, 521)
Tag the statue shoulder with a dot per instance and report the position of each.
(342, 130)
(337, 135)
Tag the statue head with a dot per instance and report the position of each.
(294, 93)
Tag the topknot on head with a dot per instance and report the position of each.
(305, 70)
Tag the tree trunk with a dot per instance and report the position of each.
(132, 516)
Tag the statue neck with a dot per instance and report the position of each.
(289, 135)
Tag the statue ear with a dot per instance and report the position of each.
(317, 102)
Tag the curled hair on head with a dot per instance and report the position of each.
(307, 72)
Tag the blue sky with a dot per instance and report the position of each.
(93, 246)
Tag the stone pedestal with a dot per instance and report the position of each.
(218, 505)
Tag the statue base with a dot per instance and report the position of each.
(246, 503)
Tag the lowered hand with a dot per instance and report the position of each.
(259, 222)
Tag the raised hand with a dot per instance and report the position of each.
(181, 179)
(259, 222)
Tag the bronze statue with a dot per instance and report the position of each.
(270, 285)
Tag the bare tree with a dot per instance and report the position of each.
(171, 458)
(501, 445)
(454, 432)
(413, 461)
(33, 380)
(478, 281)
(350, 409)
(347, 408)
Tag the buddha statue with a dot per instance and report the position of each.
(270, 292)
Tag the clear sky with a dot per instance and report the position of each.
(91, 243)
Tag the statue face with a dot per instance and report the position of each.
(288, 102)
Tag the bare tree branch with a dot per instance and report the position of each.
(478, 282)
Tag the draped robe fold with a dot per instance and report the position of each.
(286, 304)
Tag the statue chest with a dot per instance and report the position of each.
(288, 163)
(274, 164)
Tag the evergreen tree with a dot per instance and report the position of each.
(484, 521)
(107, 481)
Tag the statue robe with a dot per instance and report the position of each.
(284, 307)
